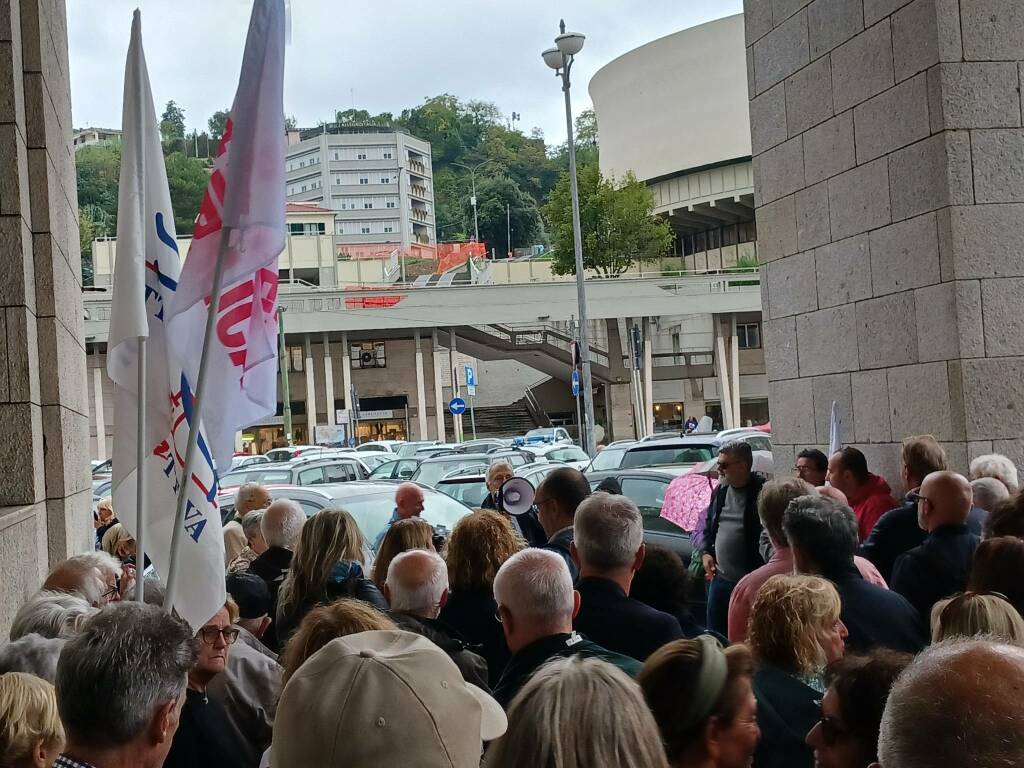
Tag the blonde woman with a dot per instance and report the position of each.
(327, 564)
(794, 633)
(117, 541)
(31, 734)
(977, 613)
(579, 712)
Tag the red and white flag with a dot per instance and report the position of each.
(244, 206)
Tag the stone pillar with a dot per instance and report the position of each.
(889, 170)
(438, 394)
(734, 371)
(421, 387)
(346, 381)
(724, 385)
(44, 488)
(620, 412)
(310, 393)
(328, 381)
(648, 328)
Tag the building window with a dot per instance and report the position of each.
(296, 358)
(385, 180)
(369, 354)
(364, 230)
(364, 180)
(307, 229)
(303, 187)
(336, 156)
(389, 228)
(391, 204)
(361, 156)
(368, 205)
(749, 335)
(387, 156)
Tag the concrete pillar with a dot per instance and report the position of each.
(734, 371)
(328, 380)
(648, 329)
(722, 367)
(438, 394)
(888, 135)
(620, 412)
(310, 393)
(101, 417)
(45, 486)
(346, 379)
(421, 388)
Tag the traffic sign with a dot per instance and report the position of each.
(457, 406)
(575, 383)
(470, 380)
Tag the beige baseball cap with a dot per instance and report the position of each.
(382, 698)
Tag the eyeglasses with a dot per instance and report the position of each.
(113, 591)
(831, 728)
(497, 614)
(209, 635)
(916, 496)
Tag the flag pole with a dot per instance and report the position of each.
(193, 432)
(140, 478)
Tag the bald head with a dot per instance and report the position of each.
(250, 497)
(961, 700)
(408, 500)
(946, 499)
(282, 524)
(417, 583)
(535, 597)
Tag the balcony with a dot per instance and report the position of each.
(420, 214)
(418, 190)
(415, 166)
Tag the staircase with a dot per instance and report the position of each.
(495, 421)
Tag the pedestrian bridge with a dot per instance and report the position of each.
(316, 310)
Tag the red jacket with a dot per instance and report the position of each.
(870, 502)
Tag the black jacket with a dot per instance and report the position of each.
(559, 544)
(203, 736)
(751, 522)
(532, 530)
(472, 615)
(877, 617)
(470, 663)
(787, 709)
(936, 569)
(346, 581)
(272, 566)
(897, 532)
(615, 621)
(528, 660)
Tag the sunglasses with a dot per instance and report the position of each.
(831, 728)
(209, 635)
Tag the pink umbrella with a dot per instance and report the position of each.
(687, 497)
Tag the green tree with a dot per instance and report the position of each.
(501, 202)
(99, 170)
(187, 179)
(217, 123)
(172, 122)
(86, 234)
(617, 221)
(289, 123)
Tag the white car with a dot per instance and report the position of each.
(570, 455)
(388, 446)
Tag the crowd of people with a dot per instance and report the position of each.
(835, 626)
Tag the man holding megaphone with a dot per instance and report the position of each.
(515, 502)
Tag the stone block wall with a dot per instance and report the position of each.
(44, 485)
(888, 143)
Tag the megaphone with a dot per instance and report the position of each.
(516, 496)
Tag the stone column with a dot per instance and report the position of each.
(310, 393)
(438, 394)
(328, 380)
(421, 387)
(44, 488)
(724, 384)
(734, 371)
(101, 422)
(648, 379)
(346, 380)
(889, 166)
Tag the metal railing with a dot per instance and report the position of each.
(539, 335)
(539, 415)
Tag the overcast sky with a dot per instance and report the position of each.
(382, 56)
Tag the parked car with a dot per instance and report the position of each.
(431, 470)
(289, 452)
(387, 446)
(678, 453)
(247, 460)
(610, 457)
(372, 460)
(396, 469)
(410, 448)
(646, 488)
(482, 446)
(543, 435)
(535, 472)
(467, 485)
(370, 502)
(103, 469)
(437, 449)
(515, 457)
(570, 455)
(313, 472)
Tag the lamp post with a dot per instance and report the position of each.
(560, 59)
(472, 201)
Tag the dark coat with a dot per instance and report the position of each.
(787, 709)
(272, 566)
(528, 522)
(472, 614)
(203, 736)
(470, 663)
(936, 569)
(560, 544)
(346, 580)
(877, 617)
(897, 532)
(528, 660)
(615, 621)
(751, 522)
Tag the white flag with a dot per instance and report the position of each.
(835, 430)
(246, 199)
(145, 278)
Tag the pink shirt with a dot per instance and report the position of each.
(746, 590)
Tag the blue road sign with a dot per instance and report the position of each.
(470, 376)
(575, 383)
(457, 406)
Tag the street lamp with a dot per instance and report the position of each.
(472, 175)
(560, 59)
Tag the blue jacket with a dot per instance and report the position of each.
(938, 568)
(876, 617)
